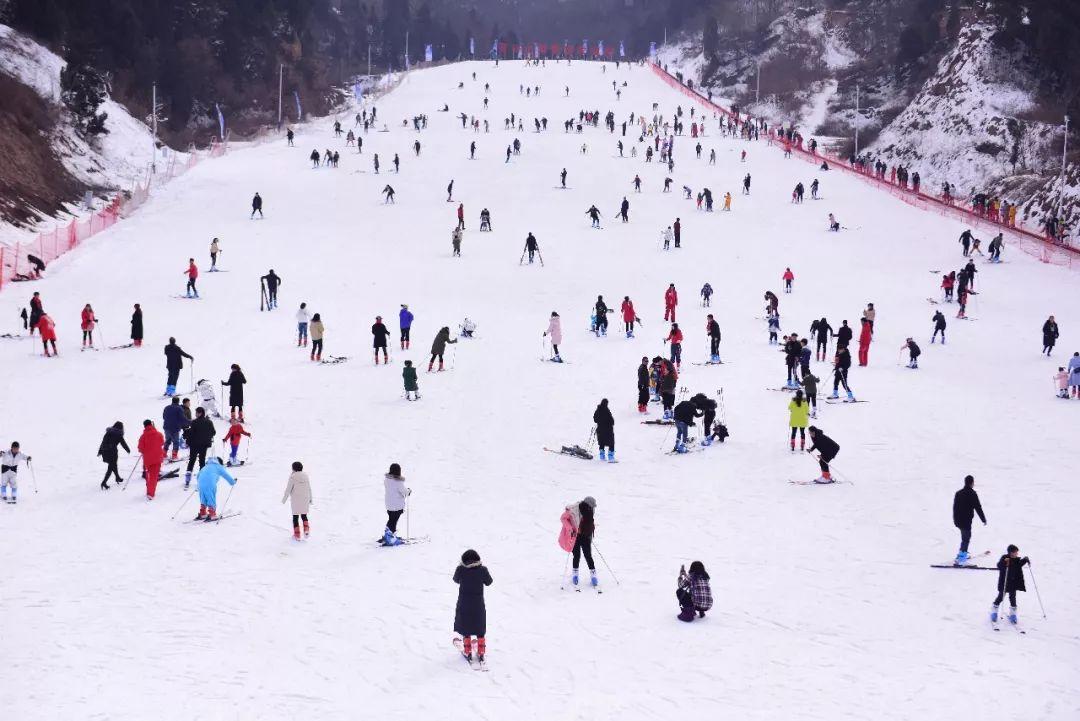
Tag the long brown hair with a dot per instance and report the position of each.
(587, 525)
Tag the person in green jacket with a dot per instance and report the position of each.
(438, 347)
(809, 382)
(800, 417)
(411, 386)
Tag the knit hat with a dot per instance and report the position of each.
(591, 501)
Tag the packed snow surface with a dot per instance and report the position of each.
(826, 605)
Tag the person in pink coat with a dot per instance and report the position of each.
(554, 331)
(89, 320)
(671, 299)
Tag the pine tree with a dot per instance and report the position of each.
(83, 89)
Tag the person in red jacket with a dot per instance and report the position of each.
(789, 278)
(628, 315)
(236, 432)
(152, 448)
(864, 342)
(461, 216)
(88, 321)
(47, 327)
(675, 338)
(671, 299)
(192, 273)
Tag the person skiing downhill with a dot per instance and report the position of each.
(965, 505)
(379, 333)
(531, 246)
(809, 382)
(438, 347)
(554, 331)
(605, 430)
(232, 437)
(594, 213)
(913, 353)
(470, 613)
(1010, 580)
(395, 494)
(152, 448)
(939, 327)
(827, 450)
(9, 472)
(298, 493)
(841, 366)
(208, 480)
(671, 300)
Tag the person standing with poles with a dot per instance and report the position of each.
(152, 449)
(395, 494)
(236, 392)
(405, 320)
(1010, 580)
(438, 347)
(965, 506)
(531, 247)
(712, 330)
(580, 519)
(379, 333)
(174, 362)
(208, 480)
(9, 472)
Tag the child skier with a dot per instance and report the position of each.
(579, 518)
(208, 479)
(470, 614)
(913, 353)
(789, 278)
(408, 374)
(207, 398)
(706, 295)
(9, 472)
(1010, 580)
(809, 382)
(694, 592)
(395, 493)
(236, 432)
(1061, 379)
(298, 491)
(799, 415)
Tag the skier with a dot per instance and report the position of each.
(388, 191)
(667, 236)
(554, 330)
(531, 246)
(629, 315)
(843, 336)
(455, 243)
(706, 295)
(684, 416)
(36, 311)
(109, 453)
(601, 311)
(913, 353)
(317, 331)
(232, 437)
(152, 447)
(88, 321)
(637, 183)
(809, 382)
(379, 333)
(468, 327)
(395, 494)
(961, 302)
(694, 592)
(789, 278)
(303, 318)
(485, 221)
(408, 375)
(746, 185)
(965, 241)
(581, 520)
(841, 366)
(1074, 374)
(200, 438)
(397, 163)
(799, 417)
(438, 347)
(948, 281)
(405, 319)
(272, 281)
(470, 614)
(792, 349)
(594, 213)
(256, 205)
(192, 274)
(827, 449)
(1061, 382)
(236, 392)
(562, 178)
(375, 163)
(712, 330)
(315, 158)
(834, 224)
(643, 385)
(677, 228)
(865, 336)
(1010, 580)
(675, 337)
(9, 472)
(772, 321)
(174, 362)
(707, 406)
(173, 422)
(820, 330)
(450, 192)
(996, 244)
(814, 189)
(1049, 330)
(298, 493)
(605, 430)
(624, 210)
(939, 327)
(461, 216)
(772, 302)
(215, 248)
(137, 327)
(964, 507)
(671, 299)
(727, 201)
(208, 480)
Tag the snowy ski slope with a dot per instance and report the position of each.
(826, 607)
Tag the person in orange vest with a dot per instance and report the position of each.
(152, 448)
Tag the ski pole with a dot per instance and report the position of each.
(32, 476)
(407, 533)
(191, 375)
(193, 492)
(453, 358)
(1036, 587)
(562, 583)
(598, 553)
(131, 473)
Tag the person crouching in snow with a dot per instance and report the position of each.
(470, 614)
(298, 490)
(408, 374)
(395, 495)
(208, 480)
(236, 432)
(152, 448)
(694, 592)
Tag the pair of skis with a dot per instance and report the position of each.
(474, 662)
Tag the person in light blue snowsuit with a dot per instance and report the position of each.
(208, 480)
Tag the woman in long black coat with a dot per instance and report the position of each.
(605, 429)
(470, 616)
(114, 437)
(136, 326)
(236, 392)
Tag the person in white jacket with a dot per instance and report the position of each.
(554, 331)
(303, 317)
(668, 237)
(9, 472)
(298, 489)
(396, 493)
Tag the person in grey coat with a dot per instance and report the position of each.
(438, 347)
(298, 490)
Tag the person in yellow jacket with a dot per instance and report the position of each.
(799, 411)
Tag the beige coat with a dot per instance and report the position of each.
(316, 330)
(299, 488)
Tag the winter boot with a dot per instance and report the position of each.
(1012, 615)
(174, 456)
(481, 648)
(296, 533)
(202, 513)
(961, 558)
(187, 480)
(611, 456)
(312, 355)
(430, 364)
(376, 357)
(850, 396)
(994, 613)
(440, 366)
(707, 441)
(307, 529)
(792, 445)
(603, 457)
(834, 395)
(557, 359)
(596, 581)
(318, 356)
(574, 578)
(170, 391)
(802, 444)
(402, 345)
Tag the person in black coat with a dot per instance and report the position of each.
(470, 615)
(109, 452)
(236, 392)
(1010, 580)
(643, 385)
(708, 409)
(712, 330)
(843, 336)
(684, 416)
(380, 333)
(200, 436)
(605, 429)
(136, 327)
(272, 281)
(174, 361)
(964, 507)
(827, 449)
(821, 331)
(1050, 333)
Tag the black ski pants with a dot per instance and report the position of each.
(583, 546)
(392, 519)
(196, 453)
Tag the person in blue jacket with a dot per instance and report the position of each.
(174, 421)
(405, 319)
(208, 480)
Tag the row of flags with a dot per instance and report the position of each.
(536, 50)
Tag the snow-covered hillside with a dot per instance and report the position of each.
(826, 605)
